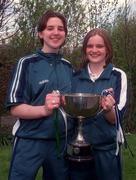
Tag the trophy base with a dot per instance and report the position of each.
(79, 152)
(79, 158)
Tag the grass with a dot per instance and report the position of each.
(4, 162)
(129, 162)
(5, 155)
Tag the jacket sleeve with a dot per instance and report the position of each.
(17, 84)
(121, 94)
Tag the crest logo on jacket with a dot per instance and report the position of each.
(44, 81)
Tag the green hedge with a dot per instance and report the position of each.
(5, 136)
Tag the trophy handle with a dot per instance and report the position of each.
(105, 92)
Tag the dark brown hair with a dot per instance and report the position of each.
(107, 41)
(46, 16)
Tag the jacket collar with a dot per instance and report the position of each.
(50, 57)
(104, 75)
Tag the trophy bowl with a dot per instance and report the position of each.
(80, 106)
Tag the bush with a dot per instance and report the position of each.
(5, 136)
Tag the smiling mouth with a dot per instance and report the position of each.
(94, 55)
(55, 38)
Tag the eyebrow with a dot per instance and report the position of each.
(53, 26)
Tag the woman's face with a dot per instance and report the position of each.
(96, 50)
(53, 35)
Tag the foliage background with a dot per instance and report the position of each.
(18, 36)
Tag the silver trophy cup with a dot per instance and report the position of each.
(80, 106)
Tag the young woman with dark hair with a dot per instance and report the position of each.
(33, 97)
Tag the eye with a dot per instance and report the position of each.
(61, 28)
(49, 28)
(100, 46)
(89, 46)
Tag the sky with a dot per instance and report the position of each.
(122, 3)
(130, 1)
(132, 4)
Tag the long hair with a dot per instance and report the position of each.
(107, 41)
(46, 16)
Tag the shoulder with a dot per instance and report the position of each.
(23, 63)
(27, 59)
(76, 75)
(66, 62)
(119, 72)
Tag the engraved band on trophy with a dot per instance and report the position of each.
(80, 106)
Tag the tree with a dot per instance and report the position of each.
(80, 16)
(75, 10)
(6, 20)
(29, 12)
(124, 38)
(100, 13)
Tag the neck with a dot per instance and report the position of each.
(50, 50)
(96, 68)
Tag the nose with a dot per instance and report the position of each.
(56, 31)
(94, 48)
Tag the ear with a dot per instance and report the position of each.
(40, 35)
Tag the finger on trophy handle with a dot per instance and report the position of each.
(107, 92)
(56, 92)
(62, 100)
(101, 111)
